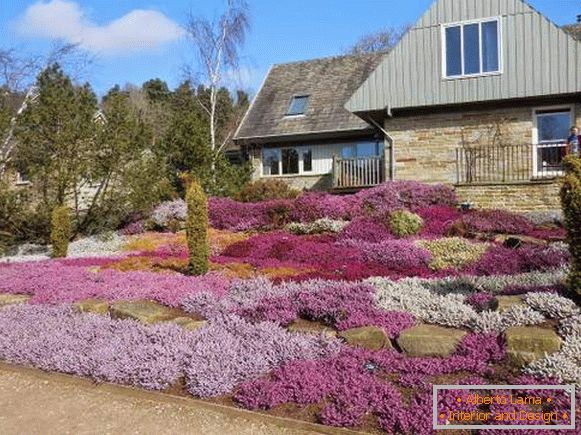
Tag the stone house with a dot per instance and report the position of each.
(479, 94)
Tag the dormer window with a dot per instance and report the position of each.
(298, 105)
(472, 48)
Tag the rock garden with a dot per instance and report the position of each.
(343, 310)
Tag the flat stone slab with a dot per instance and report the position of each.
(143, 311)
(514, 241)
(308, 327)
(368, 337)
(526, 344)
(10, 299)
(503, 303)
(430, 340)
(189, 323)
(96, 306)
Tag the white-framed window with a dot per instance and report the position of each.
(472, 48)
(287, 161)
(550, 132)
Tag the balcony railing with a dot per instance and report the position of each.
(509, 163)
(358, 172)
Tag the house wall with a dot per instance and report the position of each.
(425, 145)
(518, 197)
(320, 178)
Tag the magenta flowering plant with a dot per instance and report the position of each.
(437, 220)
(495, 221)
(51, 282)
(353, 384)
(365, 229)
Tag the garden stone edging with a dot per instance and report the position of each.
(430, 340)
(308, 327)
(95, 306)
(503, 303)
(526, 344)
(143, 310)
(367, 337)
(10, 299)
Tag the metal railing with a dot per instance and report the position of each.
(358, 172)
(509, 163)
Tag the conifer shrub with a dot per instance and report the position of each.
(60, 231)
(571, 203)
(197, 229)
(404, 223)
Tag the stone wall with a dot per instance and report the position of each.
(518, 197)
(425, 145)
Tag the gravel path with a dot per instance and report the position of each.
(33, 404)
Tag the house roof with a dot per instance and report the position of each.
(329, 82)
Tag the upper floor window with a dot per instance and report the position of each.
(298, 105)
(472, 48)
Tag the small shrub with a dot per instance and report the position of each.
(571, 202)
(365, 229)
(404, 223)
(169, 214)
(453, 252)
(60, 232)
(197, 229)
(263, 190)
(318, 227)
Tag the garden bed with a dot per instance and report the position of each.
(336, 310)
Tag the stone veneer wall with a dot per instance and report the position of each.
(518, 197)
(425, 145)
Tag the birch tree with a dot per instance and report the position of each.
(217, 44)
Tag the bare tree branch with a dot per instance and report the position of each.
(381, 41)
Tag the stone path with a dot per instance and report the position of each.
(31, 403)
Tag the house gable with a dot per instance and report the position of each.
(538, 59)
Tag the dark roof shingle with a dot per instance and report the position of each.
(329, 82)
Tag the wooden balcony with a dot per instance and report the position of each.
(509, 163)
(357, 173)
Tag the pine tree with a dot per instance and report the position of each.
(56, 136)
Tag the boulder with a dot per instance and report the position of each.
(430, 340)
(143, 311)
(368, 337)
(526, 344)
(96, 306)
(189, 323)
(503, 303)
(515, 241)
(9, 299)
(308, 327)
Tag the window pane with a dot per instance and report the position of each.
(490, 60)
(270, 159)
(298, 105)
(471, 49)
(453, 51)
(290, 161)
(307, 160)
(348, 152)
(366, 149)
(553, 126)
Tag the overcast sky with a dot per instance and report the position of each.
(134, 40)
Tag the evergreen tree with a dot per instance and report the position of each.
(56, 136)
